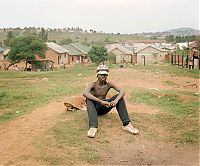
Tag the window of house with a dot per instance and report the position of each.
(155, 55)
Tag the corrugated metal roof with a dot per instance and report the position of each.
(121, 48)
(81, 47)
(140, 48)
(72, 50)
(56, 47)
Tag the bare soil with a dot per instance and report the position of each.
(16, 137)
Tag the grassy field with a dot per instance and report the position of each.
(22, 92)
(92, 38)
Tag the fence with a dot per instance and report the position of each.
(191, 63)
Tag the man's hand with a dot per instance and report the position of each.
(113, 103)
(106, 103)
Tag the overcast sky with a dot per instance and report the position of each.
(123, 16)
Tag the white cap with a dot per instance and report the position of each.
(102, 72)
(102, 69)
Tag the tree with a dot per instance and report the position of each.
(25, 48)
(10, 37)
(43, 34)
(98, 54)
(169, 38)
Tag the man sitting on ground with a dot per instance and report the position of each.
(97, 104)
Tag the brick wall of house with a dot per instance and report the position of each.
(52, 55)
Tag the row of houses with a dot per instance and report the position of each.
(67, 54)
(56, 56)
(60, 55)
(136, 55)
(139, 53)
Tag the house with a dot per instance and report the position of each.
(75, 56)
(150, 54)
(83, 49)
(77, 52)
(57, 54)
(121, 53)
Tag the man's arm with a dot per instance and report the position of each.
(87, 94)
(120, 95)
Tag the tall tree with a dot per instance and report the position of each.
(98, 54)
(25, 48)
(169, 38)
(10, 37)
(43, 34)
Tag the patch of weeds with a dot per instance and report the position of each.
(148, 125)
(191, 137)
(181, 129)
(170, 83)
(178, 118)
(168, 69)
(23, 91)
(104, 141)
(166, 101)
(69, 136)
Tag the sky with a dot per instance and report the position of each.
(111, 16)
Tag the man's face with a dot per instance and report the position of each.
(102, 77)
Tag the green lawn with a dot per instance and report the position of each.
(23, 91)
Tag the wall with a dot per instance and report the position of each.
(151, 56)
(121, 57)
(52, 55)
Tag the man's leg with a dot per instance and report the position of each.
(123, 113)
(121, 109)
(92, 114)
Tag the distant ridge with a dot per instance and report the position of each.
(183, 31)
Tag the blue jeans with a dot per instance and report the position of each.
(95, 108)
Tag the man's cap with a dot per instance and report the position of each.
(102, 69)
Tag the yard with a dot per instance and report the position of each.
(36, 129)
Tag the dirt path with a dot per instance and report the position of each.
(17, 136)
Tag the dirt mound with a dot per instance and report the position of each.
(75, 103)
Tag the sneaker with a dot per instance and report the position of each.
(91, 132)
(130, 129)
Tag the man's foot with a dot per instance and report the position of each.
(91, 132)
(130, 129)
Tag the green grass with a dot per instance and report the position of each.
(169, 69)
(69, 137)
(170, 83)
(21, 92)
(167, 101)
(179, 117)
